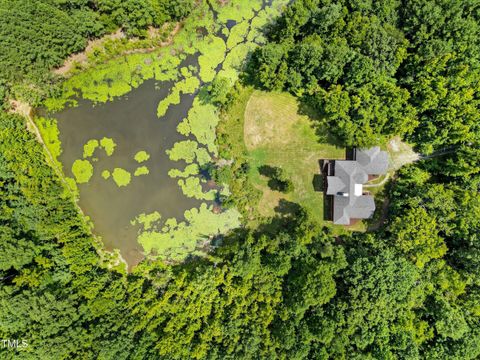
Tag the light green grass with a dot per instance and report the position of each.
(82, 170)
(276, 134)
(121, 177)
(50, 134)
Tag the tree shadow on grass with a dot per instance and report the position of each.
(318, 182)
(278, 180)
(287, 208)
(325, 169)
(319, 122)
(267, 170)
(288, 215)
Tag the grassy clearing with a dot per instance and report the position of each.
(275, 134)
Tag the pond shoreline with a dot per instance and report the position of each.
(125, 113)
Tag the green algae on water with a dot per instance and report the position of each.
(89, 148)
(142, 156)
(147, 220)
(121, 177)
(106, 174)
(142, 170)
(82, 170)
(108, 145)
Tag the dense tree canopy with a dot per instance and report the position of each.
(36, 36)
(375, 69)
(286, 289)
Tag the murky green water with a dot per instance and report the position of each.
(131, 121)
(220, 41)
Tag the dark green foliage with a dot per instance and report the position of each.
(287, 289)
(174, 9)
(36, 36)
(134, 16)
(377, 69)
(56, 291)
(39, 35)
(278, 178)
(219, 90)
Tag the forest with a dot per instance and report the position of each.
(284, 286)
(38, 35)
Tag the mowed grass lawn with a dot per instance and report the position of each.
(277, 134)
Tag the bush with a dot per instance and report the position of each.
(279, 180)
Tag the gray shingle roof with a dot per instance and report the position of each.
(348, 174)
(335, 185)
(373, 160)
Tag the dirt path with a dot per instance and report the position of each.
(81, 58)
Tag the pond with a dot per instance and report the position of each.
(137, 150)
(132, 122)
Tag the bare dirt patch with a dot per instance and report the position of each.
(21, 108)
(82, 57)
(401, 153)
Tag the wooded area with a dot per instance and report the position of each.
(386, 68)
(36, 36)
(287, 289)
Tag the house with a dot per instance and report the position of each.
(345, 184)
